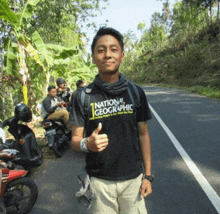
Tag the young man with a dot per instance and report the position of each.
(53, 107)
(63, 92)
(80, 84)
(116, 134)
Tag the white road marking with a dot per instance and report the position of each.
(207, 188)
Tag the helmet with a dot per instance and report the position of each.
(23, 112)
(60, 81)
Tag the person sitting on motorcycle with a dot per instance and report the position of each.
(54, 107)
(63, 92)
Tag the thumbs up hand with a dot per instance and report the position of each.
(97, 142)
(98, 129)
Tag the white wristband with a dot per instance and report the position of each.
(83, 145)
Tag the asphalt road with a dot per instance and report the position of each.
(185, 158)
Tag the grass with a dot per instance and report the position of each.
(196, 72)
(200, 90)
(196, 68)
(206, 91)
(39, 133)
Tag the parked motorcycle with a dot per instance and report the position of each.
(57, 135)
(23, 152)
(18, 194)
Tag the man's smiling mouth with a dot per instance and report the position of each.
(107, 63)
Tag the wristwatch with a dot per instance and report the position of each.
(83, 145)
(149, 177)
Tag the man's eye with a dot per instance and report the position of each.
(114, 50)
(100, 51)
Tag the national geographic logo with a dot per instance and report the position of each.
(110, 108)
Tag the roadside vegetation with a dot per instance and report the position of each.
(42, 40)
(39, 42)
(181, 48)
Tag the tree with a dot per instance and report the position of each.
(41, 41)
(158, 35)
(129, 39)
(204, 3)
(188, 21)
(20, 48)
(141, 26)
(54, 15)
(18, 42)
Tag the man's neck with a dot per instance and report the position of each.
(51, 96)
(109, 78)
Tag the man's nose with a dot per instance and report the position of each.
(108, 53)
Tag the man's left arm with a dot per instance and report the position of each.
(145, 145)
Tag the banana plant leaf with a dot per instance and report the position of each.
(11, 60)
(6, 13)
(33, 53)
(61, 61)
(62, 52)
(44, 54)
(26, 12)
(67, 53)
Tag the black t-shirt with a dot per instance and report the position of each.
(122, 159)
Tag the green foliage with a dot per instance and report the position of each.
(188, 20)
(48, 33)
(44, 54)
(141, 26)
(129, 39)
(6, 13)
(26, 13)
(11, 59)
(11, 94)
(54, 15)
(206, 91)
(204, 3)
(185, 54)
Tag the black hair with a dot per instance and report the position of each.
(107, 31)
(60, 81)
(50, 88)
(78, 83)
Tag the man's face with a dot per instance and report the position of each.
(53, 92)
(108, 54)
(62, 85)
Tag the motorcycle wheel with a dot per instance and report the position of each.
(57, 148)
(40, 156)
(20, 196)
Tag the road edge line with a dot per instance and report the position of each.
(207, 188)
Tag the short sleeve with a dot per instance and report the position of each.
(143, 111)
(76, 115)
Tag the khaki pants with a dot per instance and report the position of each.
(117, 197)
(60, 114)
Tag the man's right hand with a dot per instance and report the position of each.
(97, 142)
(60, 104)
